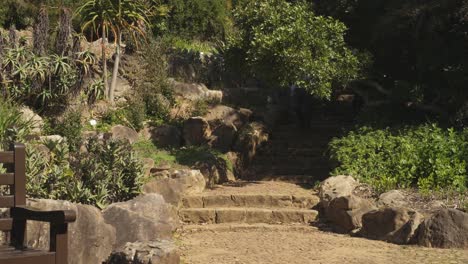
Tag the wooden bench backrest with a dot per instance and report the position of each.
(15, 177)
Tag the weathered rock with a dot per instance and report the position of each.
(124, 133)
(346, 212)
(395, 225)
(447, 228)
(146, 218)
(195, 91)
(393, 198)
(179, 184)
(224, 136)
(54, 138)
(148, 164)
(335, 187)
(29, 115)
(122, 87)
(249, 139)
(90, 238)
(222, 114)
(196, 131)
(153, 252)
(166, 136)
(216, 171)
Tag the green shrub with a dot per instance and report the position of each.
(151, 81)
(426, 156)
(12, 126)
(69, 126)
(107, 172)
(135, 113)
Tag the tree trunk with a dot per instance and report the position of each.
(104, 58)
(115, 72)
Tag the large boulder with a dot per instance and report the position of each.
(179, 184)
(120, 132)
(335, 187)
(166, 136)
(249, 139)
(345, 212)
(227, 115)
(395, 225)
(37, 121)
(196, 131)
(90, 239)
(146, 218)
(195, 91)
(447, 228)
(223, 137)
(152, 252)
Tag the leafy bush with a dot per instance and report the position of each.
(107, 172)
(135, 113)
(151, 82)
(69, 126)
(426, 156)
(12, 126)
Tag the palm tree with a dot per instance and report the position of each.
(116, 16)
(97, 14)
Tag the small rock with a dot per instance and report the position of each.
(53, 138)
(151, 252)
(393, 198)
(37, 122)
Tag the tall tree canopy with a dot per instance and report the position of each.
(287, 44)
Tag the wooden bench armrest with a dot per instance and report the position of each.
(56, 217)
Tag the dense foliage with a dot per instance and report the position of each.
(106, 172)
(428, 157)
(285, 44)
(198, 19)
(419, 47)
(12, 126)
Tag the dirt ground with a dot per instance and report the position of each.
(301, 246)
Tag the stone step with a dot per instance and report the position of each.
(250, 201)
(297, 175)
(246, 215)
(247, 227)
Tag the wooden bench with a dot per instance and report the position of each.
(16, 252)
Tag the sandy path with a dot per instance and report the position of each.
(302, 247)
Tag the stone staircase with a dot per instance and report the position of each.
(299, 155)
(258, 203)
